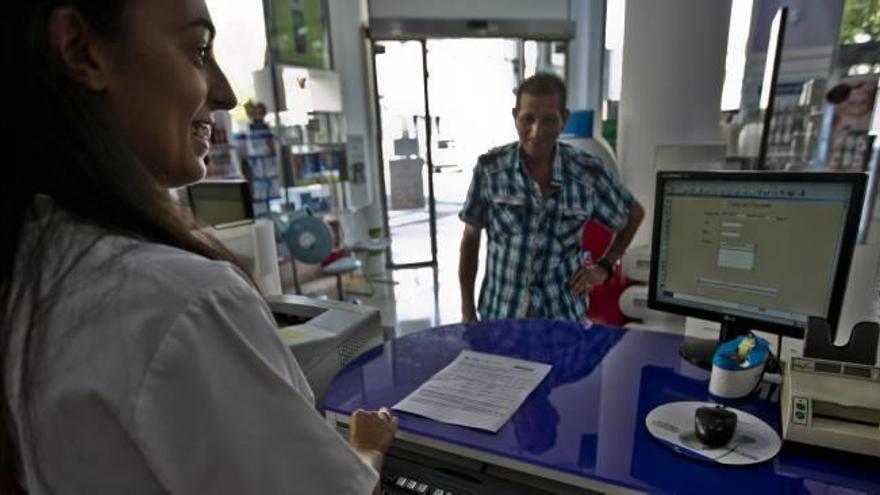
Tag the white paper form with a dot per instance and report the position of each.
(476, 390)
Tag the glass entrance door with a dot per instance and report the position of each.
(403, 116)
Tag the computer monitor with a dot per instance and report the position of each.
(753, 250)
(221, 202)
(225, 207)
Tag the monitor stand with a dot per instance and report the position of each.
(699, 352)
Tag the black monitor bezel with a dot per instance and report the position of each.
(850, 231)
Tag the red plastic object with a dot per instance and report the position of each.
(604, 299)
(333, 256)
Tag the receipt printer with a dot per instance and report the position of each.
(832, 404)
(325, 335)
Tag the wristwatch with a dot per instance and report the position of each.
(606, 265)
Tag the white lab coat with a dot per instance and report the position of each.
(161, 371)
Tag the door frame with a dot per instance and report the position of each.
(383, 188)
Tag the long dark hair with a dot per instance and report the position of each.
(63, 142)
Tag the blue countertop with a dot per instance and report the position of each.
(587, 418)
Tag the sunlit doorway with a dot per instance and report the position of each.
(456, 94)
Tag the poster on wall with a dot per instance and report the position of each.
(853, 102)
(299, 29)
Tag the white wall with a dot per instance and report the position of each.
(673, 71)
(347, 21)
(470, 9)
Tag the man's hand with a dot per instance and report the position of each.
(585, 278)
(590, 276)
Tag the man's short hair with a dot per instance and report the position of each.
(543, 84)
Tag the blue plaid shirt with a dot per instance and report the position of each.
(534, 241)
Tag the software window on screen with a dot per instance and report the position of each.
(769, 250)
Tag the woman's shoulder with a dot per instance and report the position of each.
(175, 269)
(149, 282)
(89, 257)
(145, 287)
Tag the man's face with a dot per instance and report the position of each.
(539, 121)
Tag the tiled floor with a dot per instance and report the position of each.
(413, 299)
(424, 297)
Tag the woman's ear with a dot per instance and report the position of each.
(78, 49)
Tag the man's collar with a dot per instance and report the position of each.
(556, 174)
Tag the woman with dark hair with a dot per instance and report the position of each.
(136, 357)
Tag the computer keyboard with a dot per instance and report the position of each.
(407, 473)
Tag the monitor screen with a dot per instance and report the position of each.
(221, 202)
(756, 250)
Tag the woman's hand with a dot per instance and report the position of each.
(372, 430)
(370, 434)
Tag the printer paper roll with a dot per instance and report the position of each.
(637, 263)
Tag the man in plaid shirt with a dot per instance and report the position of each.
(534, 197)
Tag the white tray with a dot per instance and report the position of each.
(753, 441)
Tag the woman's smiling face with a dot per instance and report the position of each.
(165, 86)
